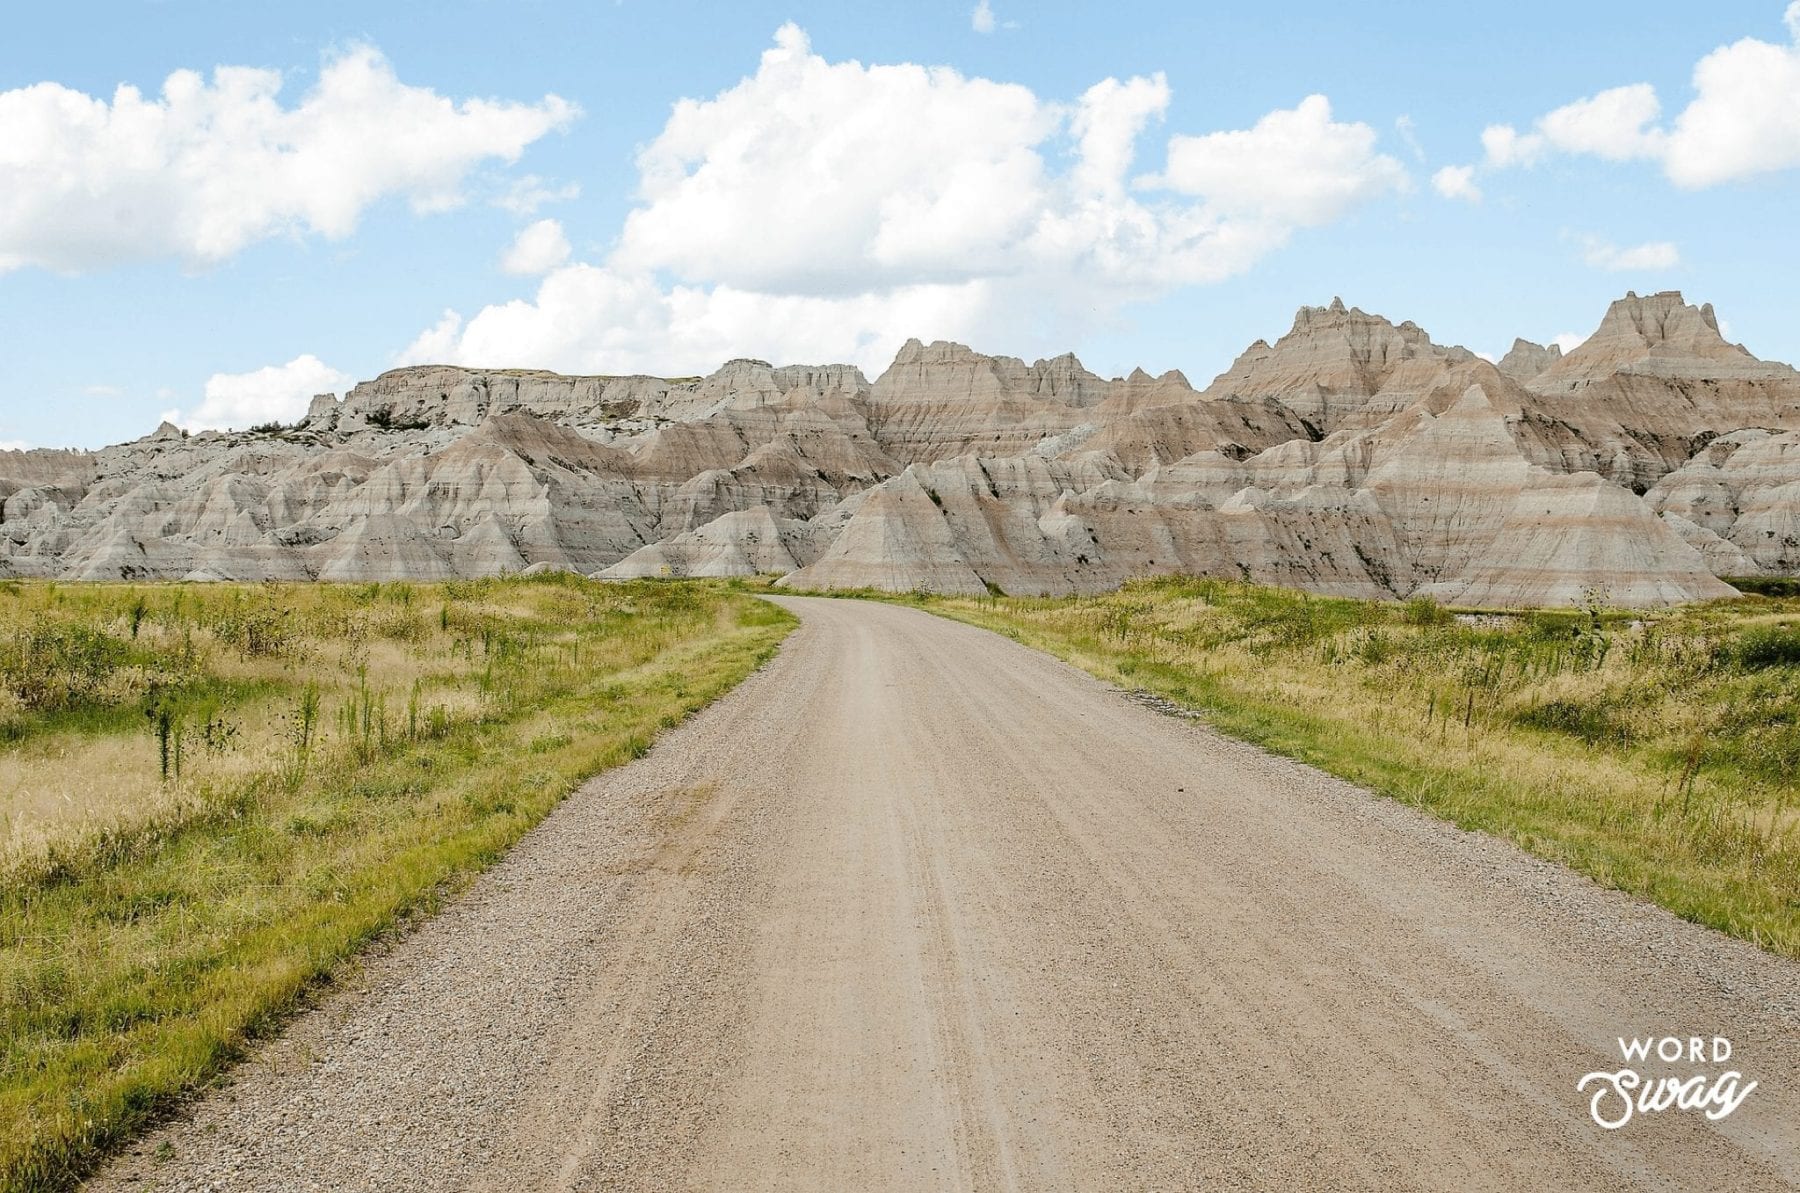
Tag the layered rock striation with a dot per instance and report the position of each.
(1351, 456)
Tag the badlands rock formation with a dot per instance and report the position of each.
(1352, 456)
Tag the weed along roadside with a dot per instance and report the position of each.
(215, 795)
(1656, 753)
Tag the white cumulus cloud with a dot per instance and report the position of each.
(1568, 341)
(828, 210)
(1654, 255)
(1106, 126)
(1296, 167)
(1743, 119)
(277, 393)
(538, 249)
(1617, 125)
(1457, 182)
(210, 166)
(981, 17)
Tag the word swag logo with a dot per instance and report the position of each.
(1626, 1092)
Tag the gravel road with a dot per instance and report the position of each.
(918, 908)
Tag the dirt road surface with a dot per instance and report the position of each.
(916, 908)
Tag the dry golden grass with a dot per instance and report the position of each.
(84, 757)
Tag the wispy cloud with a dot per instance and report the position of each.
(1652, 255)
(1408, 131)
(983, 20)
(529, 193)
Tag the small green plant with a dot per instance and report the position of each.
(303, 728)
(1425, 611)
(217, 733)
(306, 717)
(164, 712)
(1768, 646)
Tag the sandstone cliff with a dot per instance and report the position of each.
(1351, 456)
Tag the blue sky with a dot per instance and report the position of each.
(224, 246)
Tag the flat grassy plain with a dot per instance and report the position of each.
(214, 795)
(1658, 753)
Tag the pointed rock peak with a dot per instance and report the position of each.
(1139, 377)
(1352, 323)
(1338, 315)
(1659, 324)
(907, 484)
(1065, 377)
(1176, 377)
(167, 430)
(1525, 359)
(1657, 335)
(909, 352)
(1474, 399)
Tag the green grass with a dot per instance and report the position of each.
(1769, 586)
(1658, 753)
(141, 949)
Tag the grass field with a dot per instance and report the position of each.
(1657, 753)
(214, 795)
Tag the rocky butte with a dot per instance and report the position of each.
(1353, 456)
